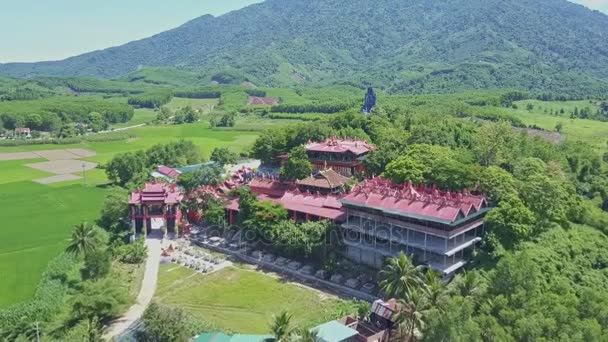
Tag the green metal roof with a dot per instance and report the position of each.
(221, 337)
(213, 337)
(334, 332)
(251, 338)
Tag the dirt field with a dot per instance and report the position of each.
(262, 101)
(62, 163)
(61, 167)
(57, 179)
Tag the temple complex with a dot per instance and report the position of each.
(156, 206)
(437, 228)
(342, 155)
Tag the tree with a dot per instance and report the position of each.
(265, 215)
(297, 166)
(124, 167)
(167, 324)
(494, 143)
(68, 131)
(114, 210)
(405, 169)
(558, 127)
(85, 239)
(100, 299)
(411, 315)
(467, 285)
(280, 326)
(497, 183)
(97, 122)
(306, 335)
(133, 253)
(511, 222)
(190, 181)
(400, 278)
(164, 114)
(224, 156)
(97, 264)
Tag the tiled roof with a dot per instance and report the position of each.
(417, 201)
(341, 145)
(168, 171)
(326, 179)
(157, 192)
(269, 186)
(327, 207)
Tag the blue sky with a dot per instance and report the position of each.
(34, 30)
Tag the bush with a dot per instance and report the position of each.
(134, 253)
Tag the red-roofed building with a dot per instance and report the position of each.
(343, 155)
(156, 205)
(301, 206)
(437, 227)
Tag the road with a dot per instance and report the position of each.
(126, 325)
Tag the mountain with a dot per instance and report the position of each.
(400, 45)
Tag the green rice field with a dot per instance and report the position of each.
(240, 300)
(37, 219)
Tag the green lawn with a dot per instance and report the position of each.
(141, 116)
(589, 131)
(240, 300)
(204, 104)
(36, 222)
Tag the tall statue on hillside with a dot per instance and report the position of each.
(370, 101)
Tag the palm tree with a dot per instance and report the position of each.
(280, 326)
(467, 284)
(411, 316)
(400, 277)
(305, 335)
(84, 239)
(435, 288)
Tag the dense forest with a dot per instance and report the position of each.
(419, 46)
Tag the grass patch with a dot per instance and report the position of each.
(592, 132)
(240, 300)
(204, 104)
(36, 223)
(141, 116)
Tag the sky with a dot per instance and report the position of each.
(36, 30)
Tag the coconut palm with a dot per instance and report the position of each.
(435, 288)
(468, 284)
(400, 277)
(411, 315)
(280, 326)
(305, 335)
(84, 240)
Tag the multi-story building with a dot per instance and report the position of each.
(437, 228)
(343, 155)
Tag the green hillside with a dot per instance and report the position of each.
(416, 46)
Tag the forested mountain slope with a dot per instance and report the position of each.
(402, 45)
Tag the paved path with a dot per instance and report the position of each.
(127, 324)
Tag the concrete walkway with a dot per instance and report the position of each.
(127, 324)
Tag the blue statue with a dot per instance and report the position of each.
(370, 101)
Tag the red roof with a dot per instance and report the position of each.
(269, 186)
(327, 207)
(168, 171)
(341, 145)
(416, 200)
(262, 101)
(22, 130)
(157, 192)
